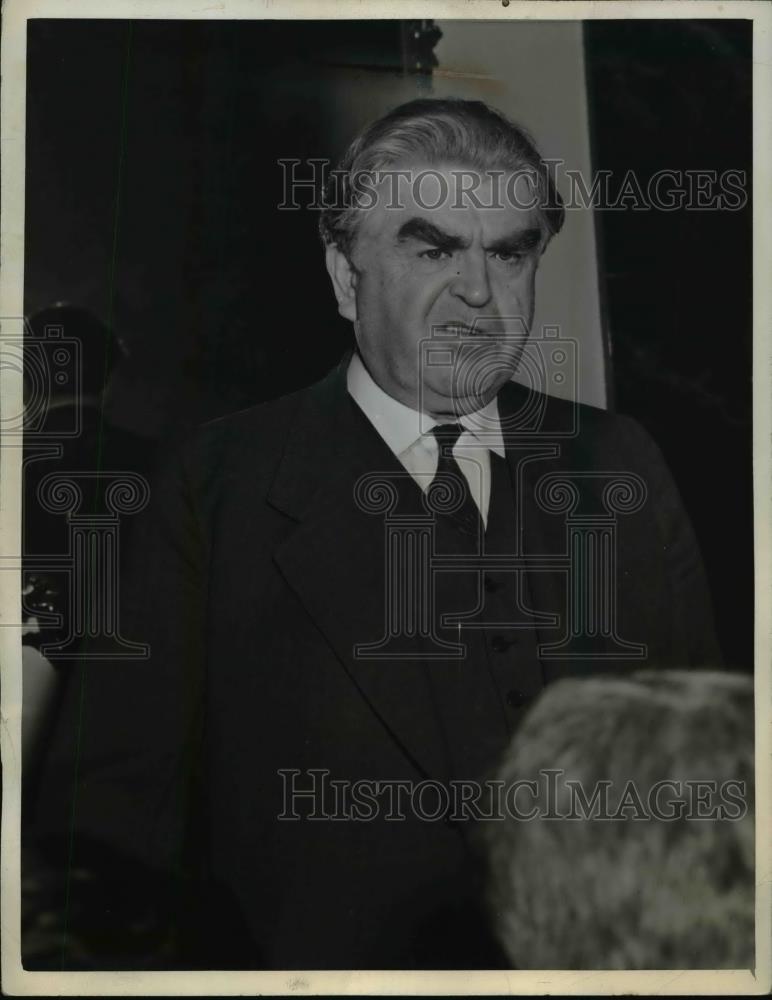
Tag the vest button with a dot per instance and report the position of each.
(516, 699)
(499, 644)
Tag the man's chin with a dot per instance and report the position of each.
(457, 399)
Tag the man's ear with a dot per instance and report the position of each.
(344, 281)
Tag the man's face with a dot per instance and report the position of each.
(460, 274)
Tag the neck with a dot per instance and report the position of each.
(460, 408)
(445, 410)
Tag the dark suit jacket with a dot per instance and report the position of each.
(257, 576)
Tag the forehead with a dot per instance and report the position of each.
(455, 198)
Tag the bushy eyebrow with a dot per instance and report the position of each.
(420, 229)
(417, 228)
(519, 242)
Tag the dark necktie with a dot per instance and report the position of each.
(466, 516)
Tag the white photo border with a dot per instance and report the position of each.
(17, 981)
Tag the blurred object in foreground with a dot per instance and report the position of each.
(633, 845)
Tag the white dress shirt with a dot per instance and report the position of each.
(408, 434)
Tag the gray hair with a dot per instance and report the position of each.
(628, 893)
(431, 131)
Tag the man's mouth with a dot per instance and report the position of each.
(462, 330)
(477, 331)
(494, 328)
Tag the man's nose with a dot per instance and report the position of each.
(471, 282)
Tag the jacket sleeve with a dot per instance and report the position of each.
(115, 800)
(692, 610)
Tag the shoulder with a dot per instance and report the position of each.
(226, 453)
(252, 432)
(582, 430)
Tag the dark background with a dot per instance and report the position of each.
(679, 285)
(151, 200)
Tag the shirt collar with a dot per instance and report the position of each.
(400, 426)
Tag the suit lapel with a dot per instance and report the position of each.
(334, 560)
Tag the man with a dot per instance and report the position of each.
(626, 839)
(352, 593)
